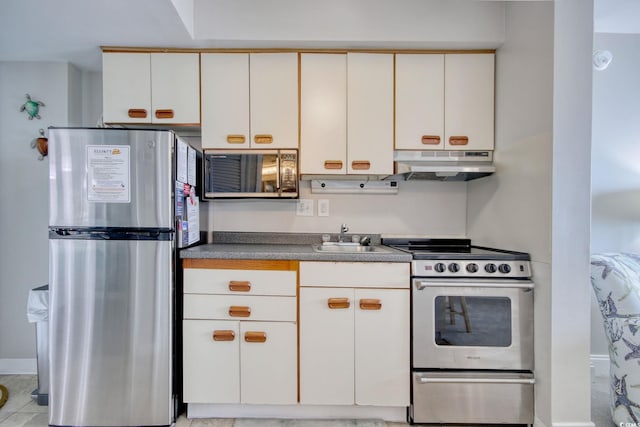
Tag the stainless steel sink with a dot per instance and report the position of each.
(347, 247)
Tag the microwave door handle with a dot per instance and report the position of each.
(424, 379)
(278, 183)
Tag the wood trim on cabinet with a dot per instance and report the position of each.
(236, 139)
(241, 264)
(255, 336)
(430, 139)
(224, 335)
(129, 49)
(164, 114)
(263, 139)
(458, 140)
(361, 165)
(333, 164)
(370, 304)
(239, 311)
(239, 286)
(137, 113)
(338, 303)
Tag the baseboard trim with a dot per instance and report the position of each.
(204, 410)
(18, 366)
(538, 423)
(586, 424)
(600, 364)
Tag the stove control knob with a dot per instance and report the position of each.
(490, 268)
(454, 267)
(504, 268)
(440, 267)
(472, 267)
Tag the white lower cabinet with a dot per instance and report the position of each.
(211, 369)
(268, 363)
(354, 341)
(240, 337)
(326, 347)
(240, 362)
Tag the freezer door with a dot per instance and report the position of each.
(110, 332)
(110, 178)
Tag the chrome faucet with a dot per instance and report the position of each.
(343, 229)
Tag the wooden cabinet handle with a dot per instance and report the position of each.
(255, 336)
(370, 304)
(333, 164)
(235, 139)
(338, 303)
(430, 139)
(137, 113)
(263, 139)
(361, 165)
(237, 286)
(458, 140)
(224, 335)
(164, 114)
(239, 311)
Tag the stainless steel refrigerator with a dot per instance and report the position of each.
(121, 203)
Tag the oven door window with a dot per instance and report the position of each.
(472, 321)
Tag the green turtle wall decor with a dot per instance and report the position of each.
(32, 107)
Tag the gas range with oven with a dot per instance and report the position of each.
(471, 333)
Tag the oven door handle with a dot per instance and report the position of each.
(423, 379)
(423, 284)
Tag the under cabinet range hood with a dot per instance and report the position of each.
(443, 165)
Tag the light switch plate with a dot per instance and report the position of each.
(323, 207)
(304, 207)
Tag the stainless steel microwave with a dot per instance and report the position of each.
(250, 174)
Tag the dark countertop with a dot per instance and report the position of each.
(285, 246)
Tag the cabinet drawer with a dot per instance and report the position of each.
(224, 307)
(241, 282)
(355, 274)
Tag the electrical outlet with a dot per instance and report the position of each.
(304, 207)
(323, 207)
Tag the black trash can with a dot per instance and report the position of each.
(38, 313)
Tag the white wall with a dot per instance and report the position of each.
(24, 249)
(355, 23)
(540, 201)
(420, 207)
(615, 222)
(512, 209)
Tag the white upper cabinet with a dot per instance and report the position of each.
(126, 87)
(274, 100)
(369, 113)
(225, 100)
(445, 101)
(419, 101)
(346, 114)
(250, 100)
(162, 88)
(469, 101)
(323, 113)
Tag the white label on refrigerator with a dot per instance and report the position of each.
(181, 159)
(191, 167)
(108, 174)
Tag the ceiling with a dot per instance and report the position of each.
(73, 30)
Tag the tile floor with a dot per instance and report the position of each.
(22, 411)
